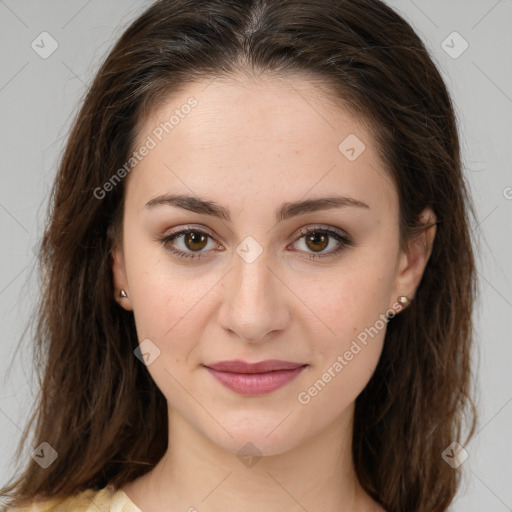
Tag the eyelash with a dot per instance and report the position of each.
(344, 241)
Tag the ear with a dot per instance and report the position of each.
(414, 259)
(119, 277)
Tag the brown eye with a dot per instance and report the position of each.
(195, 240)
(317, 241)
(189, 241)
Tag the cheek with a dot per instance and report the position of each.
(170, 309)
(346, 357)
(166, 298)
(331, 389)
(349, 298)
(347, 325)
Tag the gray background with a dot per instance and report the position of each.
(38, 97)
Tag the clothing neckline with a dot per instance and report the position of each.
(119, 498)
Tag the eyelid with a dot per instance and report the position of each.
(192, 227)
(344, 240)
(325, 228)
(302, 231)
(180, 231)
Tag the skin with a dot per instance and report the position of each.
(251, 145)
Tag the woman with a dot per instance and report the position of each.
(258, 271)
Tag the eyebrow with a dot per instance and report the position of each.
(286, 211)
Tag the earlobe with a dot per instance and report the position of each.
(414, 260)
(120, 284)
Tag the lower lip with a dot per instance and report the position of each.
(255, 383)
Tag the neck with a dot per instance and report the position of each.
(196, 474)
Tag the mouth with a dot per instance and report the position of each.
(255, 378)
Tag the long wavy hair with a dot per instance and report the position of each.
(98, 407)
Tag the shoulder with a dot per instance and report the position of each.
(90, 500)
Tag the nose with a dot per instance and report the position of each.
(254, 301)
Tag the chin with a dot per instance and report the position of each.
(256, 445)
(255, 435)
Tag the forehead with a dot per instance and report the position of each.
(257, 138)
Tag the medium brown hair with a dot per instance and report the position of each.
(98, 406)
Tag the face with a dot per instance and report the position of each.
(252, 276)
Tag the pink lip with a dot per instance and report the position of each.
(255, 378)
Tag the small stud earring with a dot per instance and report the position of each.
(403, 300)
(123, 294)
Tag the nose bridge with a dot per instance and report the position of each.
(252, 303)
(251, 277)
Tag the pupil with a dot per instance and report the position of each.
(314, 238)
(195, 238)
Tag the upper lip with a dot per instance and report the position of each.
(238, 366)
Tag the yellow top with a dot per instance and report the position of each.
(90, 500)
